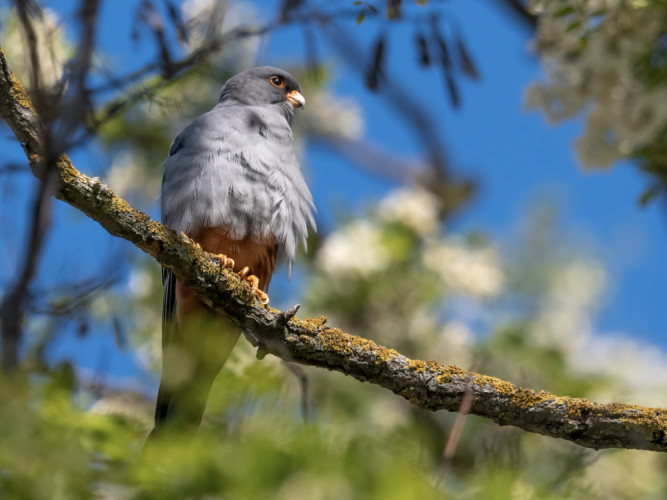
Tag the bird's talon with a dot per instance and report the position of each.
(225, 261)
(254, 284)
(262, 296)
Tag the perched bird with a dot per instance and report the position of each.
(233, 184)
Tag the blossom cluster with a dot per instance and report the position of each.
(360, 249)
(601, 57)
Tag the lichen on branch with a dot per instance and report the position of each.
(426, 384)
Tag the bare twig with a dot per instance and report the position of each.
(518, 8)
(77, 104)
(301, 376)
(13, 304)
(437, 176)
(68, 299)
(396, 96)
(457, 429)
(23, 10)
(375, 160)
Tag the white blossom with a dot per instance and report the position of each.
(331, 116)
(564, 318)
(593, 52)
(140, 283)
(355, 250)
(565, 321)
(208, 20)
(455, 342)
(126, 174)
(415, 208)
(471, 271)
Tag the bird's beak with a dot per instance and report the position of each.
(296, 99)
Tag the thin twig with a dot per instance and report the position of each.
(301, 376)
(518, 8)
(457, 429)
(13, 305)
(23, 8)
(78, 104)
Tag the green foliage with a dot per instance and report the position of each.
(358, 441)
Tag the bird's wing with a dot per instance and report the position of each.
(169, 295)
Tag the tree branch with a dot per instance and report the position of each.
(426, 384)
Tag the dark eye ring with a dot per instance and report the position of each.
(277, 81)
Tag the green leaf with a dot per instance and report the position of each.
(649, 195)
(564, 12)
(360, 17)
(574, 25)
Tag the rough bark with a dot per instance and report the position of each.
(426, 384)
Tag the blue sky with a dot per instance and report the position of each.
(518, 159)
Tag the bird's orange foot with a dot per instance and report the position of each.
(225, 261)
(254, 284)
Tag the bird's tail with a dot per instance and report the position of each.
(188, 373)
(192, 355)
(181, 404)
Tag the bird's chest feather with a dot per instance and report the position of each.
(240, 176)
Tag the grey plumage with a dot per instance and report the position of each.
(235, 167)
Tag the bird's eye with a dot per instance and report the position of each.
(277, 81)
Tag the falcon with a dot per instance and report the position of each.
(232, 183)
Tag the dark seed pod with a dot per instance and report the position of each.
(452, 90)
(376, 68)
(177, 21)
(287, 8)
(393, 9)
(378, 54)
(445, 58)
(371, 80)
(465, 61)
(422, 50)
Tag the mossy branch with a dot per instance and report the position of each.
(429, 385)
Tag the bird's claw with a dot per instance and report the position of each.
(254, 284)
(225, 261)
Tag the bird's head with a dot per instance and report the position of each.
(264, 86)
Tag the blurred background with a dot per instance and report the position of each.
(490, 180)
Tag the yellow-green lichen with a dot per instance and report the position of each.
(384, 354)
(501, 386)
(334, 339)
(527, 398)
(650, 418)
(18, 91)
(314, 324)
(449, 372)
(68, 174)
(420, 366)
(417, 365)
(118, 205)
(576, 407)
